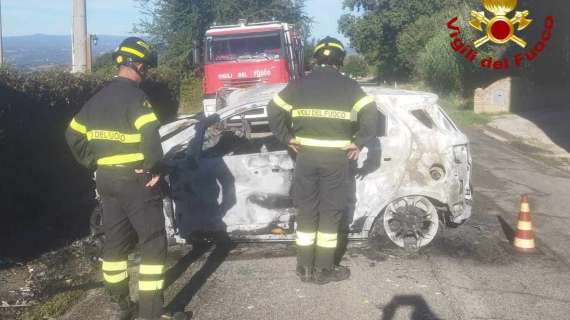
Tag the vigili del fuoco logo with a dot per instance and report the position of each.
(500, 29)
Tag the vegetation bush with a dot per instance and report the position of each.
(407, 41)
(191, 95)
(440, 68)
(355, 66)
(46, 198)
(177, 26)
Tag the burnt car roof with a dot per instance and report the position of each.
(243, 100)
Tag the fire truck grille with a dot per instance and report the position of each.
(242, 83)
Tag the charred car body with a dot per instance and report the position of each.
(230, 174)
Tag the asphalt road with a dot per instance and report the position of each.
(467, 273)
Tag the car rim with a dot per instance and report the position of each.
(411, 222)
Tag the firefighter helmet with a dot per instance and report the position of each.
(329, 51)
(135, 50)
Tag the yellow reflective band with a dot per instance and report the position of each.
(143, 44)
(115, 278)
(326, 240)
(78, 126)
(525, 207)
(319, 113)
(114, 266)
(334, 45)
(132, 51)
(120, 159)
(322, 143)
(362, 103)
(305, 239)
(282, 104)
(144, 120)
(151, 285)
(320, 46)
(524, 225)
(113, 136)
(151, 269)
(524, 243)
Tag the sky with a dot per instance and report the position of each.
(325, 14)
(117, 17)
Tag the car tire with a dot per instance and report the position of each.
(410, 223)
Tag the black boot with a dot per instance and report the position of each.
(305, 273)
(335, 274)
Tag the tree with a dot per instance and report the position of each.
(355, 66)
(406, 40)
(104, 65)
(176, 24)
(309, 48)
(375, 31)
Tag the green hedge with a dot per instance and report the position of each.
(46, 197)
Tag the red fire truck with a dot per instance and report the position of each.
(249, 54)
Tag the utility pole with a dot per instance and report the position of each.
(1, 38)
(79, 37)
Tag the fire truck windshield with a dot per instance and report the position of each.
(243, 47)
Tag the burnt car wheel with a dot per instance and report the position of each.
(411, 222)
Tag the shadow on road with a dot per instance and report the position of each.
(186, 294)
(180, 267)
(507, 229)
(421, 310)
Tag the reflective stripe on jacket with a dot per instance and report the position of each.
(116, 127)
(325, 109)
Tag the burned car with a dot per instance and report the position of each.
(229, 174)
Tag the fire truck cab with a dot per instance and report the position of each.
(245, 55)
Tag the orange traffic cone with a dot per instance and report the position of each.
(524, 237)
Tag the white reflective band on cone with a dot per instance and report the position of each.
(524, 225)
(524, 243)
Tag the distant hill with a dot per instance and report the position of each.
(40, 51)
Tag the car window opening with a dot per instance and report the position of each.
(235, 137)
(423, 117)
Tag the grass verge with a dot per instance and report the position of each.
(461, 111)
(190, 96)
(55, 307)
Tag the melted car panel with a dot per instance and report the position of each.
(243, 179)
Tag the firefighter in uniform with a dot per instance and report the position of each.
(116, 133)
(326, 118)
